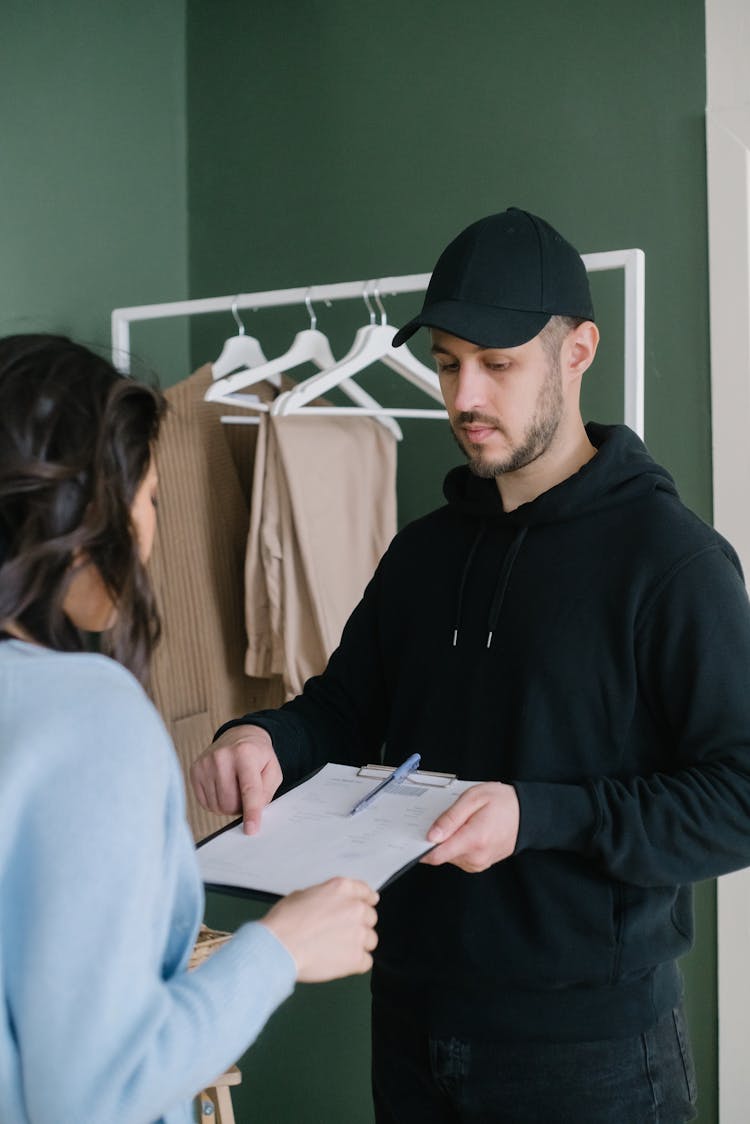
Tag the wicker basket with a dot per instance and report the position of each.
(208, 941)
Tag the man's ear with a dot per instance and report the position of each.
(579, 349)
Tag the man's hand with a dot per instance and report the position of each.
(238, 773)
(480, 829)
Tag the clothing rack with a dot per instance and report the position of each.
(631, 261)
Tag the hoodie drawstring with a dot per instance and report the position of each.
(464, 575)
(502, 581)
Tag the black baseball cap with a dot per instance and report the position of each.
(499, 282)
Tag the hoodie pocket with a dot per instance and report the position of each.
(682, 913)
(566, 917)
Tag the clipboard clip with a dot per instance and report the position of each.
(420, 776)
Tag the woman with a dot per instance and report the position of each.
(99, 891)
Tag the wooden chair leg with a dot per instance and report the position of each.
(215, 1101)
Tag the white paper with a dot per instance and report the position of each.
(308, 835)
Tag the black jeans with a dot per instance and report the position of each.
(417, 1079)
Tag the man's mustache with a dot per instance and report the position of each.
(472, 417)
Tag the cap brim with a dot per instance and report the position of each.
(408, 330)
(478, 323)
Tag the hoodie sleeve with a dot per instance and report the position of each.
(341, 715)
(690, 820)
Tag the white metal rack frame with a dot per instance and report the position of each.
(631, 261)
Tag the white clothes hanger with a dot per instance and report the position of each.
(309, 346)
(373, 343)
(238, 351)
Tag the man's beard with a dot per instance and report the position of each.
(537, 439)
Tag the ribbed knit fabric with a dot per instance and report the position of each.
(198, 676)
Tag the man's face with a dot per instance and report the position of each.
(504, 404)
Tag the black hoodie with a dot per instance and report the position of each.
(592, 648)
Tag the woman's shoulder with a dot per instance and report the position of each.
(82, 692)
(80, 673)
(78, 729)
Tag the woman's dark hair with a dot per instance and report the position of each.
(76, 439)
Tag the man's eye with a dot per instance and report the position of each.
(446, 367)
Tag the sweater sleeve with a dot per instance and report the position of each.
(687, 818)
(106, 900)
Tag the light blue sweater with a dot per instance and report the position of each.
(100, 902)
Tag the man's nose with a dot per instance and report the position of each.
(470, 389)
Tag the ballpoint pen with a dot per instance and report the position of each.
(395, 777)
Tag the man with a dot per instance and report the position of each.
(567, 633)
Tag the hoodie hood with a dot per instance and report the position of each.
(621, 470)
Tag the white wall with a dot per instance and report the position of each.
(728, 141)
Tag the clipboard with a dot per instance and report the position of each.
(308, 835)
(419, 776)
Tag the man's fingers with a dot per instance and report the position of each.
(453, 849)
(256, 787)
(200, 793)
(205, 790)
(253, 799)
(454, 829)
(455, 816)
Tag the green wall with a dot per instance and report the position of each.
(93, 190)
(331, 141)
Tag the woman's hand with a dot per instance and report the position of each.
(329, 929)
